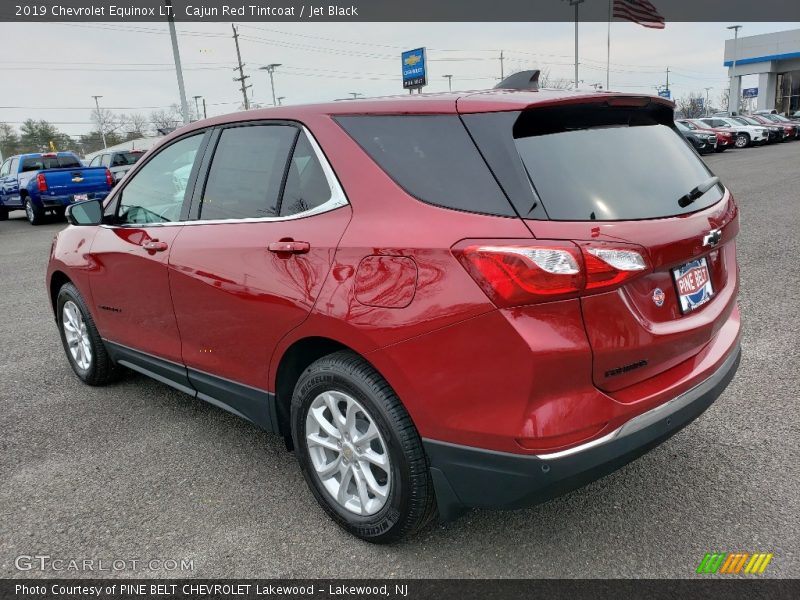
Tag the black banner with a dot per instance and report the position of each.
(384, 10)
(473, 589)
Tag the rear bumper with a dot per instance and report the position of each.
(466, 477)
(61, 201)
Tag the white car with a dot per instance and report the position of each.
(746, 135)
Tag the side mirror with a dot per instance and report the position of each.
(88, 212)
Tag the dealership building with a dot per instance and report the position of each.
(775, 58)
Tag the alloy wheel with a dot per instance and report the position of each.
(77, 335)
(29, 211)
(348, 453)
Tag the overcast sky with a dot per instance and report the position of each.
(56, 68)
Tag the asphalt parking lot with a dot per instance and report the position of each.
(140, 471)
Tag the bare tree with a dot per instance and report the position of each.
(165, 119)
(546, 80)
(135, 125)
(691, 106)
(106, 121)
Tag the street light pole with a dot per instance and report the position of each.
(576, 3)
(100, 120)
(449, 82)
(271, 69)
(731, 110)
(197, 105)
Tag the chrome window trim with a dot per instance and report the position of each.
(337, 200)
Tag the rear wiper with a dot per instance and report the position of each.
(701, 189)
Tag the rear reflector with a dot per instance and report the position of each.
(41, 182)
(109, 178)
(515, 274)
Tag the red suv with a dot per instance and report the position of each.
(439, 301)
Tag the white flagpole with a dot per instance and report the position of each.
(608, 47)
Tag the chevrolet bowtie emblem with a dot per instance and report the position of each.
(712, 238)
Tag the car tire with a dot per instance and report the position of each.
(34, 213)
(3, 213)
(742, 140)
(369, 472)
(86, 353)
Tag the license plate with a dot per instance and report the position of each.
(693, 284)
(80, 197)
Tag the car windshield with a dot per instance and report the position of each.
(746, 121)
(687, 124)
(42, 163)
(590, 165)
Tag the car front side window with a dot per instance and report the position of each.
(155, 194)
(5, 169)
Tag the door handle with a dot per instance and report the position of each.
(289, 247)
(153, 246)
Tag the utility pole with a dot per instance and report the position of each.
(197, 105)
(280, 98)
(667, 86)
(242, 77)
(205, 115)
(733, 108)
(502, 74)
(100, 120)
(271, 69)
(176, 55)
(355, 94)
(706, 110)
(450, 81)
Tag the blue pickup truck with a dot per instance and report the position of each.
(49, 182)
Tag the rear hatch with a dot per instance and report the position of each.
(76, 181)
(608, 175)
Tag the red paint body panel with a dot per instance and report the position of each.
(234, 299)
(131, 292)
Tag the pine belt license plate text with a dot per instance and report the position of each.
(80, 197)
(693, 284)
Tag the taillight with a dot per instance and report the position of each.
(109, 178)
(41, 182)
(513, 274)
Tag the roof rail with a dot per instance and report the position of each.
(523, 80)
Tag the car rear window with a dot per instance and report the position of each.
(432, 157)
(123, 159)
(609, 163)
(41, 163)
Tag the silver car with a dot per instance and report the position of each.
(118, 162)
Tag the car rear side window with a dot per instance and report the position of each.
(306, 185)
(609, 163)
(247, 172)
(432, 157)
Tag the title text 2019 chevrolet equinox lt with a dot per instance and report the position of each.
(441, 301)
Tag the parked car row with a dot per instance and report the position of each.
(718, 133)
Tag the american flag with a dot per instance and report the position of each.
(639, 11)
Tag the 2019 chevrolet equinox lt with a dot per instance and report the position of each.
(440, 301)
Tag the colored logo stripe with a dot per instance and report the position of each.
(732, 563)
